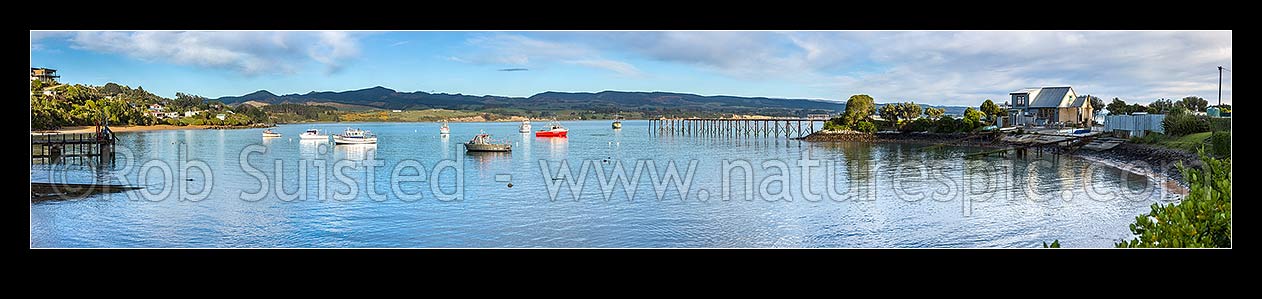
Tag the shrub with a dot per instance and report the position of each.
(1150, 138)
(1179, 124)
(866, 127)
(946, 124)
(834, 126)
(1219, 124)
(1202, 219)
(919, 125)
(1221, 144)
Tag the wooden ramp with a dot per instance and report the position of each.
(1103, 144)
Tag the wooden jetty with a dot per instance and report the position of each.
(61, 191)
(1022, 143)
(64, 148)
(738, 127)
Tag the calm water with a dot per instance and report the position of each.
(893, 195)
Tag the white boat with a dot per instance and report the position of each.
(270, 133)
(313, 134)
(444, 130)
(355, 136)
(525, 127)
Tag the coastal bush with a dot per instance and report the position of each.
(1179, 124)
(833, 125)
(934, 113)
(1221, 144)
(918, 125)
(1219, 124)
(972, 119)
(1150, 138)
(1201, 219)
(946, 124)
(866, 127)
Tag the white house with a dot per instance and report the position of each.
(191, 113)
(221, 116)
(1048, 105)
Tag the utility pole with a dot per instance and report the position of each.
(1220, 87)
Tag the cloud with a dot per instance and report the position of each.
(250, 53)
(37, 36)
(399, 43)
(960, 68)
(516, 69)
(612, 65)
(518, 50)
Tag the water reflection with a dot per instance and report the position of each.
(557, 146)
(313, 149)
(488, 158)
(355, 152)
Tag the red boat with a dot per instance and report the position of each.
(554, 130)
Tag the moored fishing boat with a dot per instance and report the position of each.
(270, 133)
(617, 122)
(554, 130)
(355, 136)
(525, 126)
(313, 134)
(483, 143)
(444, 130)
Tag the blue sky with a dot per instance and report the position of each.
(937, 67)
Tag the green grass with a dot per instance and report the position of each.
(1190, 142)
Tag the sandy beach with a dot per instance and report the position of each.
(92, 129)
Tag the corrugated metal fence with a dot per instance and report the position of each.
(1136, 124)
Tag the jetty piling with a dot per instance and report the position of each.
(79, 148)
(737, 127)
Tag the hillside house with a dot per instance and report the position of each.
(1050, 105)
(45, 75)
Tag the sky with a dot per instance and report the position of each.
(935, 67)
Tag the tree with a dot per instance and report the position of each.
(1160, 106)
(1137, 108)
(112, 89)
(1118, 107)
(37, 86)
(934, 113)
(1195, 103)
(910, 110)
(187, 101)
(889, 112)
(1201, 219)
(858, 108)
(972, 119)
(990, 109)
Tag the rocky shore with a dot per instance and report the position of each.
(958, 139)
(1153, 156)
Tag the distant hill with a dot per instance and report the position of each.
(647, 103)
(637, 103)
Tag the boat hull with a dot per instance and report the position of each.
(271, 135)
(314, 137)
(551, 133)
(488, 147)
(343, 140)
(617, 125)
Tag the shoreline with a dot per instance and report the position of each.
(1120, 156)
(150, 128)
